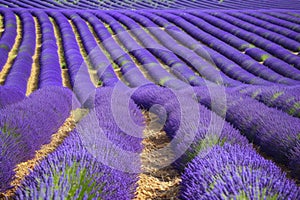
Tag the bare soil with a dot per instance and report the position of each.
(159, 180)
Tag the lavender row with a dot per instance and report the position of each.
(235, 172)
(50, 70)
(275, 132)
(203, 67)
(210, 146)
(276, 65)
(285, 24)
(145, 54)
(21, 68)
(9, 96)
(267, 25)
(286, 99)
(260, 55)
(149, 62)
(291, 13)
(184, 115)
(129, 71)
(8, 37)
(274, 20)
(27, 125)
(285, 17)
(99, 160)
(280, 32)
(189, 23)
(34, 4)
(227, 66)
(99, 61)
(270, 47)
(71, 172)
(274, 37)
(77, 67)
(119, 117)
(154, 4)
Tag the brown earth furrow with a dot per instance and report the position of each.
(159, 179)
(61, 55)
(137, 63)
(134, 59)
(1, 25)
(93, 71)
(84, 54)
(33, 81)
(116, 68)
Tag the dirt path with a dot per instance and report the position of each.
(85, 56)
(156, 182)
(61, 55)
(116, 68)
(33, 81)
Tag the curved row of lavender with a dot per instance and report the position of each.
(158, 74)
(28, 123)
(9, 95)
(167, 45)
(282, 98)
(217, 163)
(99, 61)
(9, 35)
(50, 73)
(235, 172)
(118, 55)
(151, 4)
(21, 68)
(244, 61)
(175, 49)
(275, 132)
(93, 162)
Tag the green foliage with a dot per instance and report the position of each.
(192, 78)
(124, 62)
(297, 105)
(10, 25)
(246, 46)
(254, 94)
(115, 66)
(63, 65)
(264, 57)
(7, 135)
(78, 179)
(164, 80)
(9, 131)
(109, 29)
(100, 83)
(209, 141)
(276, 95)
(243, 196)
(4, 46)
(294, 109)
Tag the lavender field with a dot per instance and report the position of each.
(150, 99)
